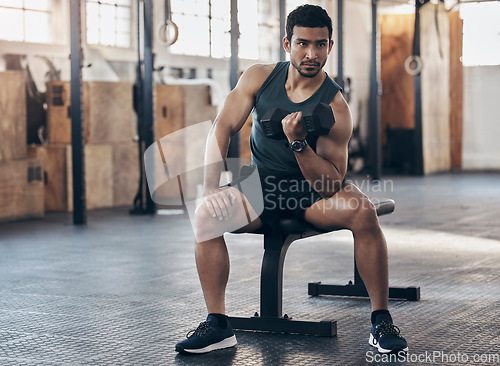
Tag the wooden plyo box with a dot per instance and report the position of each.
(108, 112)
(21, 189)
(12, 115)
(59, 175)
(179, 106)
(59, 111)
(125, 173)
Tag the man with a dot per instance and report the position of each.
(311, 159)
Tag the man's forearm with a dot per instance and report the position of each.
(216, 148)
(323, 175)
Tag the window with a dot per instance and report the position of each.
(481, 44)
(249, 29)
(269, 42)
(259, 28)
(220, 38)
(26, 21)
(108, 22)
(203, 27)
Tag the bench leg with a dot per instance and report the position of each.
(271, 294)
(285, 325)
(358, 289)
(405, 293)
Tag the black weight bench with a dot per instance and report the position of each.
(276, 244)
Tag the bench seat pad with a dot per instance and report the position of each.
(298, 226)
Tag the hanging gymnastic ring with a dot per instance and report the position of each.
(413, 60)
(163, 33)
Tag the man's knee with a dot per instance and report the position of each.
(203, 222)
(363, 214)
(201, 214)
(208, 227)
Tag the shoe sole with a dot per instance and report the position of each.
(225, 343)
(371, 342)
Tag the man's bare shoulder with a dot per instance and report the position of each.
(255, 75)
(262, 70)
(339, 104)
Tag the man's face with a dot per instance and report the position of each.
(309, 49)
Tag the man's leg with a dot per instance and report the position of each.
(351, 209)
(212, 259)
(212, 262)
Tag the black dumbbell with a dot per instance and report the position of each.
(271, 123)
(317, 119)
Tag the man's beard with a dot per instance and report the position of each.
(308, 75)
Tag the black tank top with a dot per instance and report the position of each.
(273, 156)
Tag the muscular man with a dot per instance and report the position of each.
(333, 203)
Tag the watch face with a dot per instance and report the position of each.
(298, 145)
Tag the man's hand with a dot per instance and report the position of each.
(293, 127)
(219, 202)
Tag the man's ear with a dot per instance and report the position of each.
(286, 44)
(330, 46)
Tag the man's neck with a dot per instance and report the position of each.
(299, 88)
(296, 81)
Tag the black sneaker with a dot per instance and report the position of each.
(209, 336)
(386, 337)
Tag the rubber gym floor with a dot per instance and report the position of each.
(124, 289)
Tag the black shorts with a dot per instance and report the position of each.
(283, 195)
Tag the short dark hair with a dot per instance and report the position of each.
(309, 16)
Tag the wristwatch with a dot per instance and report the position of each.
(298, 145)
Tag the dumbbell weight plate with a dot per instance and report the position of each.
(318, 118)
(271, 123)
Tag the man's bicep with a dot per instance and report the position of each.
(334, 151)
(334, 146)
